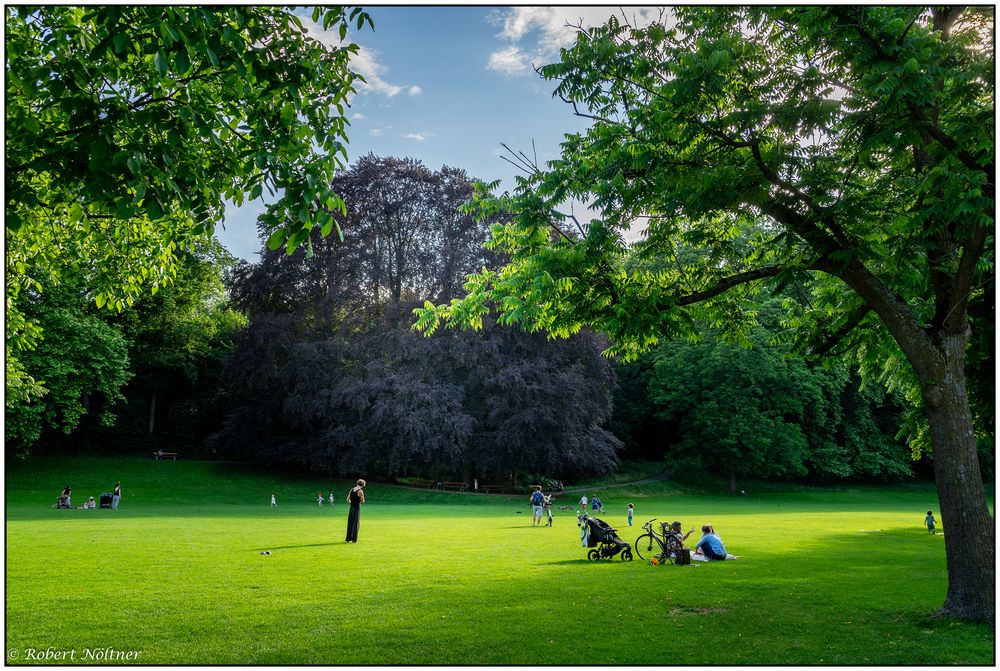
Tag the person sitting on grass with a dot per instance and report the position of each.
(676, 531)
(710, 544)
(90, 504)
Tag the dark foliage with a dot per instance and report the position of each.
(330, 376)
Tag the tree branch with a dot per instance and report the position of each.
(831, 341)
(728, 283)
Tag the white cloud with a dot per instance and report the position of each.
(546, 30)
(364, 62)
(358, 116)
(414, 90)
(419, 137)
(375, 132)
(510, 61)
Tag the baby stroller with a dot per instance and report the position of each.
(106, 500)
(605, 541)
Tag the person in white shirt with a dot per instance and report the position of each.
(274, 501)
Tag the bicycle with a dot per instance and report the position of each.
(667, 544)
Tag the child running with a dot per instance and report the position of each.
(631, 511)
(929, 521)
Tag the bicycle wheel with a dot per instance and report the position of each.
(646, 546)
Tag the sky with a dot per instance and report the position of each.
(447, 85)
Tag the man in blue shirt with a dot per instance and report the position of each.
(710, 544)
(537, 499)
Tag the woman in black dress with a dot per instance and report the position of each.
(355, 497)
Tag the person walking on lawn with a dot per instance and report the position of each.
(537, 502)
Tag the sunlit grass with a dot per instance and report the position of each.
(846, 577)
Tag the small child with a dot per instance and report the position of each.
(331, 498)
(583, 503)
(631, 510)
(547, 507)
(319, 499)
(274, 501)
(929, 521)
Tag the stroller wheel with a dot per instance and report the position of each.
(593, 555)
(626, 555)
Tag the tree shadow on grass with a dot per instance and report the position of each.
(584, 560)
(294, 547)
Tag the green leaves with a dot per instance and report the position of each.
(128, 127)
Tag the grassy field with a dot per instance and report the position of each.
(175, 576)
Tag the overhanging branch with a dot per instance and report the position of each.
(728, 283)
(853, 320)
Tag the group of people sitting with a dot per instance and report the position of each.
(108, 500)
(709, 545)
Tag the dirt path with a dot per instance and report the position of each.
(578, 490)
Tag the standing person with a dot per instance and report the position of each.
(116, 496)
(274, 501)
(537, 501)
(547, 507)
(319, 499)
(594, 502)
(331, 498)
(631, 511)
(583, 503)
(929, 521)
(710, 544)
(355, 497)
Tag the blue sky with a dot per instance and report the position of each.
(447, 85)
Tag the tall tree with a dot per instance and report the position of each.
(178, 340)
(329, 374)
(762, 412)
(128, 127)
(859, 138)
(82, 361)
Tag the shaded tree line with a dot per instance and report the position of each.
(330, 376)
(757, 411)
(146, 376)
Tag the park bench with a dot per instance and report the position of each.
(428, 484)
(491, 489)
(164, 455)
(457, 486)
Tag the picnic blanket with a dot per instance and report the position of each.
(695, 557)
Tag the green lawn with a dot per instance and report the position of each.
(827, 577)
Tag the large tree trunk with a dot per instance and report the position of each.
(939, 361)
(152, 413)
(968, 526)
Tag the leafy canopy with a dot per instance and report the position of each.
(845, 152)
(129, 127)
